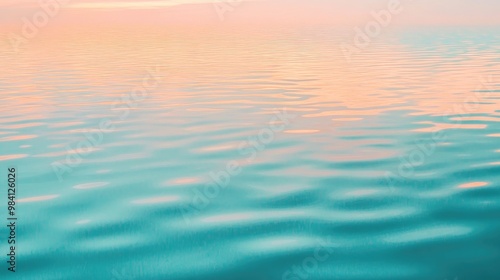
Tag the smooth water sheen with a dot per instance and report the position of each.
(389, 167)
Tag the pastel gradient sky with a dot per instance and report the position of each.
(415, 12)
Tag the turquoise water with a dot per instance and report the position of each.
(229, 154)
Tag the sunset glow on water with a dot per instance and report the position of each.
(252, 140)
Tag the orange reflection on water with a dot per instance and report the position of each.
(443, 126)
(301, 131)
(17, 138)
(183, 181)
(473, 185)
(11, 157)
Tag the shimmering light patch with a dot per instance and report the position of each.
(483, 119)
(204, 110)
(183, 181)
(38, 198)
(366, 155)
(18, 137)
(56, 146)
(22, 125)
(354, 113)
(431, 233)
(347, 119)
(214, 127)
(65, 124)
(281, 243)
(217, 148)
(10, 157)
(301, 131)
(90, 185)
(82, 222)
(443, 126)
(444, 144)
(494, 135)
(156, 200)
(378, 214)
(25, 146)
(473, 185)
(236, 217)
(361, 192)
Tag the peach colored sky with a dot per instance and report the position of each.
(414, 12)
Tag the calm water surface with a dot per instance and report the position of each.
(388, 167)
